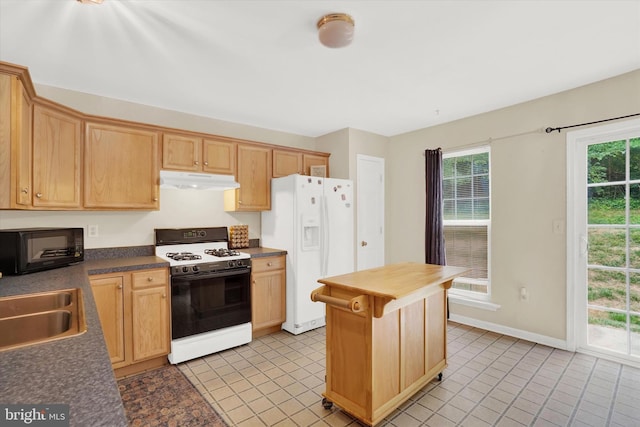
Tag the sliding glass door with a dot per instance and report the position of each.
(606, 239)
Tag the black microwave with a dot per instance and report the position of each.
(27, 250)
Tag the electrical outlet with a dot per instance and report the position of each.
(524, 295)
(92, 231)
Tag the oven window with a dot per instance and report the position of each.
(204, 304)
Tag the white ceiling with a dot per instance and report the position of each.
(412, 64)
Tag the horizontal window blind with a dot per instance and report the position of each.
(466, 214)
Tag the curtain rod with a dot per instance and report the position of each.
(549, 129)
(490, 140)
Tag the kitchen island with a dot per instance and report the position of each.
(385, 335)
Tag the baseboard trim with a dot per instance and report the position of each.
(512, 332)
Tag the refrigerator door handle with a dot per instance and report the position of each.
(325, 237)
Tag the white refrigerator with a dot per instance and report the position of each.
(312, 219)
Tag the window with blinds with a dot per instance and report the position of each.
(467, 217)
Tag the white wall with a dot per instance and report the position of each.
(336, 143)
(528, 185)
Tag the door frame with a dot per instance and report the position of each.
(577, 140)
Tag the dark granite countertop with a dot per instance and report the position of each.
(263, 252)
(76, 370)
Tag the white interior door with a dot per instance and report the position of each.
(604, 240)
(370, 208)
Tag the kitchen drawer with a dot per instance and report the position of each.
(146, 278)
(268, 263)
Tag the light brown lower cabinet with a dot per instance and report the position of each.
(268, 294)
(134, 311)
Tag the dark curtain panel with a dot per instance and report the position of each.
(434, 229)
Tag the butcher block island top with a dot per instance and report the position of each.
(392, 286)
(385, 335)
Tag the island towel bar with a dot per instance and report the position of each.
(355, 304)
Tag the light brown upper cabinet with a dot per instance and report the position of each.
(15, 144)
(254, 177)
(53, 157)
(286, 162)
(57, 157)
(219, 156)
(309, 160)
(181, 152)
(194, 154)
(121, 167)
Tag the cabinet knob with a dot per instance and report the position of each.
(149, 279)
(269, 264)
(164, 295)
(119, 286)
(206, 163)
(196, 163)
(155, 199)
(38, 195)
(363, 243)
(25, 190)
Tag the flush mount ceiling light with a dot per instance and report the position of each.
(90, 1)
(336, 30)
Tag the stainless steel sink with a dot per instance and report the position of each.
(36, 318)
(34, 303)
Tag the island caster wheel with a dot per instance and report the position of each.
(440, 376)
(327, 404)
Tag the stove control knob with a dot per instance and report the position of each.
(239, 263)
(185, 269)
(195, 268)
(231, 263)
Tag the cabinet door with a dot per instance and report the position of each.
(56, 158)
(314, 160)
(7, 185)
(254, 177)
(121, 168)
(15, 144)
(22, 130)
(268, 292)
(268, 299)
(150, 322)
(219, 157)
(181, 152)
(286, 163)
(108, 292)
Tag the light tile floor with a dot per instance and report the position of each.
(491, 380)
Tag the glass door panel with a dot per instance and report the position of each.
(613, 249)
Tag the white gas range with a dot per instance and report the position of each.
(210, 291)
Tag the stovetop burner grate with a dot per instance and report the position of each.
(183, 256)
(221, 252)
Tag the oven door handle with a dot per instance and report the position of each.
(187, 277)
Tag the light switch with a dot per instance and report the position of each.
(92, 231)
